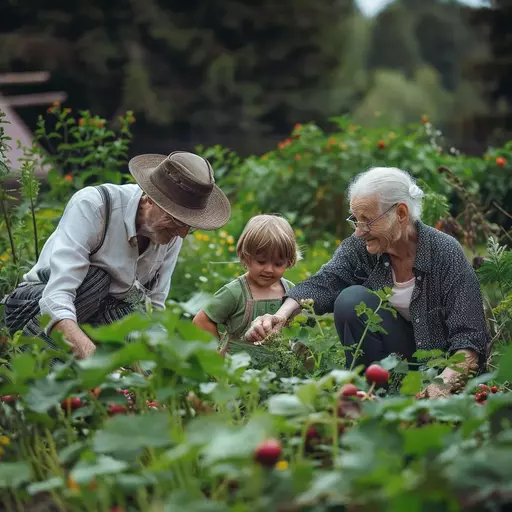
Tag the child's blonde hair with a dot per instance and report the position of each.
(269, 235)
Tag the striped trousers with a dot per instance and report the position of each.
(93, 304)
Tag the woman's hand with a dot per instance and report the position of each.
(454, 379)
(264, 325)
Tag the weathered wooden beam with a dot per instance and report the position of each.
(31, 77)
(27, 100)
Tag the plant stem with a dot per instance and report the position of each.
(36, 243)
(362, 338)
(9, 231)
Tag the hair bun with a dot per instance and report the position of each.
(415, 192)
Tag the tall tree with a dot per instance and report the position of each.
(191, 67)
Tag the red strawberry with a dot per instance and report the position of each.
(348, 390)
(483, 387)
(375, 373)
(71, 404)
(268, 452)
(495, 389)
(500, 161)
(9, 399)
(381, 144)
(478, 397)
(114, 409)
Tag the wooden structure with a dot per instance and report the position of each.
(16, 128)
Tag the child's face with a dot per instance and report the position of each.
(266, 270)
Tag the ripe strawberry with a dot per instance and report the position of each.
(268, 452)
(381, 144)
(483, 395)
(9, 399)
(114, 409)
(478, 397)
(153, 404)
(348, 390)
(361, 394)
(71, 404)
(375, 373)
(495, 389)
(500, 161)
(483, 387)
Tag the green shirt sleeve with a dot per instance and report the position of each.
(222, 306)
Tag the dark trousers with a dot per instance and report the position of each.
(376, 346)
(92, 303)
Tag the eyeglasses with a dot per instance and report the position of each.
(366, 226)
(182, 225)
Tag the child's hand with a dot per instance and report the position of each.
(262, 326)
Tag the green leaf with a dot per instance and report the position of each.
(48, 485)
(286, 405)
(390, 362)
(183, 500)
(131, 482)
(13, 474)
(119, 330)
(505, 365)
(325, 485)
(307, 393)
(420, 441)
(411, 384)
(131, 433)
(47, 393)
(71, 452)
(23, 366)
(86, 471)
(426, 354)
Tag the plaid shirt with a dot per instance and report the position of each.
(446, 306)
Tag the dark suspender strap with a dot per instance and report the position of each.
(105, 194)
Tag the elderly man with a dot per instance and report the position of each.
(435, 290)
(115, 248)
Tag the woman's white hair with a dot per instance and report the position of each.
(392, 186)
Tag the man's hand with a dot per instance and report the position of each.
(435, 391)
(262, 326)
(81, 344)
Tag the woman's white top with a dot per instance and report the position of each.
(401, 299)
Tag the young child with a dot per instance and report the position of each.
(266, 248)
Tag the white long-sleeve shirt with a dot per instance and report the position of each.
(67, 252)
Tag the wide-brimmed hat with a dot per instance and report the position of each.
(183, 185)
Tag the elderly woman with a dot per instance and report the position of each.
(435, 289)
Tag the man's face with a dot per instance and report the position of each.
(159, 226)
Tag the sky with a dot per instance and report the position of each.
(372, 7)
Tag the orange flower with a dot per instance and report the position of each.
(81, 121)
(297, 127)
(56, 104)
(381, 144)
(298, 157)
(287, 142)
(131, 119)
(500, 161)
(67, 110)
(68, 178)
(424, 119)
(100, 124)
(72, 484)
(331, 141)
(49, 110)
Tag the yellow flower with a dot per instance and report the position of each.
(198, 235)
(231, 248)
(223, 234)
(338, 242)
(392, 135)
(264, 157)
(282, 465)
(223, 242)
(4, 440)
(203, 270)
(298, 232)
(219, 251)
(343, 147)
(230, 240)
(206, 238)
(4, 256)
(323, 324)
